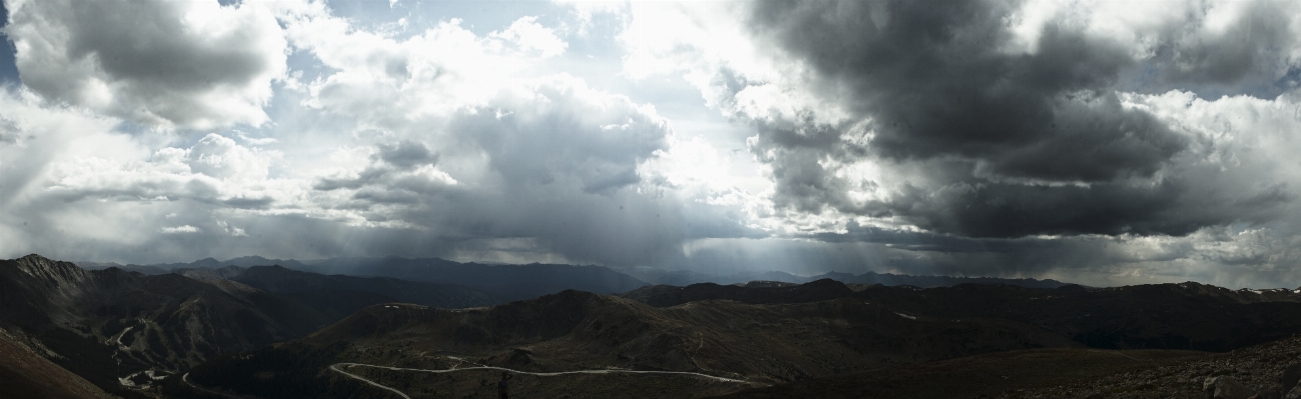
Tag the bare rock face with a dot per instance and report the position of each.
(1295, 393)
(1226, 388)
(1291, 375)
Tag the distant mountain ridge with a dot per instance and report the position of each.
(452, 272)
(205, 263)
(506, 282)
(503, 282)
(294, 283)
(684, 278)
(755, 293)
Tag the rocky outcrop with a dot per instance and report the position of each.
(1291, 376)
(40, 290)
(1226, 388)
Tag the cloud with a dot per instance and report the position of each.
(1233, 44)
(8, 131)
(186, 229)
(406, 154)
(955, 121)
(401, 173)
(231, 230)
(1002, 138)
(385, 83)
(552, 162)
(559, 131)
(1069, 140)
(170, 64)
(256, 141)
(214, 170)
(468, 153)
(531, 37)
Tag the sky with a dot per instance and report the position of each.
(1104, 143)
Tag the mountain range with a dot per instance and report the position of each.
(551, 278)
(120, 329)
(774, 338)
(409, 326)
(688, 277)
(574, 330)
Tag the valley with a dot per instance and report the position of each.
(272, 332)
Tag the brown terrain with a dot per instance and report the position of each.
(761, 344)
(1269, 370)
(124, 331)
(821, 339)
(270, 332)
(26, 373)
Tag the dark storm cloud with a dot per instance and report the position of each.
(561, 178)
(150, 61)
(936, 83)
(1017, 143)
(920, 241)
(1171, 206)
(8, 131)
(8, 70)
(171, 60)
(1252, 48)
(386, 166)
(407, 154)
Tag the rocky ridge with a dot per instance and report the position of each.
(1270, 371)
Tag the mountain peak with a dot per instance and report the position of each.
(35, 258)
(35, 264)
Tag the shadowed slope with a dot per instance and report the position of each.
(575, 330)
(666, 295)
(107, 325)
(1166, 316)
(24, 373)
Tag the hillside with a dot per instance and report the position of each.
(1159, 316)
(114, 327)
(1271, 370)
(25, 373)
(769, 339)
(572, 330)
(981, 376)
(1156, 316)
(272, 332)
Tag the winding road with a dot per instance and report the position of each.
(336, 368)
(186, 379)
